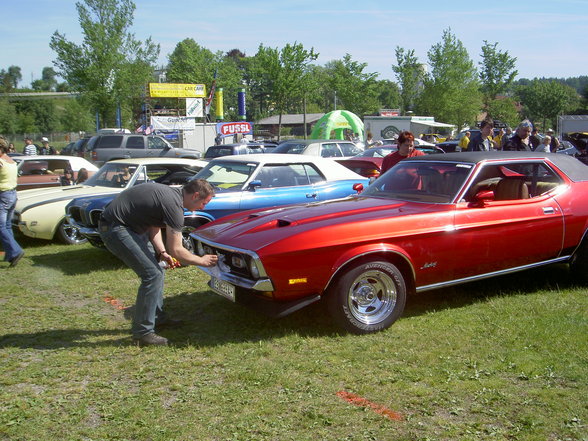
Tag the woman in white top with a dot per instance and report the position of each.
(544, 146)
(8, 176)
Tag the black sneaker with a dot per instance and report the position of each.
(14, 261)
(151, 339)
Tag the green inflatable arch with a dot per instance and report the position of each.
(334, 124)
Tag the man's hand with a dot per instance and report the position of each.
(209, 260)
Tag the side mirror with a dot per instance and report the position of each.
(482, 198)
(358, 188)
(254, 184)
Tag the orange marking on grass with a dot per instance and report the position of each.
(114, 302)
(362, 402)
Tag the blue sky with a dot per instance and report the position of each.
(548, 38)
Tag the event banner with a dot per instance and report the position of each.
(194, 107)
(173, 123)
(234, 128)
(173, 90)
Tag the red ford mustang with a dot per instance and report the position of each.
(429, 222)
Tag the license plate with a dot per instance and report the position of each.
(223, 288)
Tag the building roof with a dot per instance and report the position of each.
(289, 120)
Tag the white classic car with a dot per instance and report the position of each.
(40, 213)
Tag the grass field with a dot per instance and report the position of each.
(505, 359)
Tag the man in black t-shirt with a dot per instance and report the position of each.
(130, 227)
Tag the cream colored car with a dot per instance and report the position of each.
(40, 213)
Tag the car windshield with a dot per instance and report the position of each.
(426, 181)
(377, 152)
(227, 175)
(114, 175)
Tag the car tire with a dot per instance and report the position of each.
(579, 262)
(68, 234)
(368, 297)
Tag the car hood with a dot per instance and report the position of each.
(326, 223)
(49, 195)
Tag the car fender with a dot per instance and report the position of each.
(386, 252)
(51, 216)
(197, 218)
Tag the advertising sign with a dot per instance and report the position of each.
(173, 90)
(173, 123)
(194, 107)
(234, 128)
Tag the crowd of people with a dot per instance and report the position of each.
(31, 148)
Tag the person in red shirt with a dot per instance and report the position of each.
(405, 150)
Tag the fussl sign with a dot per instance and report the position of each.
(234, 128)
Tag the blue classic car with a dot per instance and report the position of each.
(243, 183)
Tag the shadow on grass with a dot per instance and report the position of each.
(63, 338)
(76, 260)
(210, 320)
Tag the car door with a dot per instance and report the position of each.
(281, 184)
(495, 233)
(135, 147)
(156, 146)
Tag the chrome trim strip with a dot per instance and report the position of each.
(488, 275)
(257, 285)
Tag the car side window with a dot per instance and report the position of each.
(330, 150)
(349, 149)
(512, 182)
(156, 143)
(135, 142)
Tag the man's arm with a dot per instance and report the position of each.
(175, 249)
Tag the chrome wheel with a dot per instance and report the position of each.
(371, 297)
(69, 234)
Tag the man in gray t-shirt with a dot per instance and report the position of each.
(131, 229)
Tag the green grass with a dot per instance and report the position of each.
(504, 359)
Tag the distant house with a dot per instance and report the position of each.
(269, 126)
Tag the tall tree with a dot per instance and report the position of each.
(451, 88)
(356, 90)
(285, 72)
(110, 68)
(497, 72)
(410, 75)
(48, 81)
(10, 78)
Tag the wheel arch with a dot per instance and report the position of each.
(394, 256)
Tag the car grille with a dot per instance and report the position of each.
(228, 260)
(84, 218)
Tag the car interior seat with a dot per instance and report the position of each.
(509, 189)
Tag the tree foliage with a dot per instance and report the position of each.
(497, 71)
(110, 67)
(450, 90)
(10, 78)
(410, 75)
(545, 100)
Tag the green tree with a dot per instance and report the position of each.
(284, 72)
(497, 72)
(76, 117)
(410, 75)
(10, 78)
(505, 110)
(545, 100)
(356, 90)
(8, 117)
(48, 81)
(110, 68)
(388, 93)
(450, 89)
(44, 115)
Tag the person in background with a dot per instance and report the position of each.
(8, 177)
(11, 148)
(464, 141)
(507, 135)
(130, 227)
(544, 147)
(520, 140)
(82, 176)
(498, 139)
(369, 141)
(534, 139)
(405, 150)
(554, 141)
(67, 178)
(48, 149)
(482, 142)
(29, 148)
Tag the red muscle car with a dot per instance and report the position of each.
(429, 222)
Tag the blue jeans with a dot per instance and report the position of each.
(9, 244)
(137, 252)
